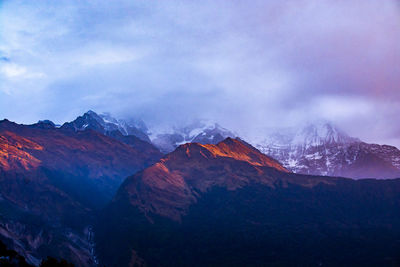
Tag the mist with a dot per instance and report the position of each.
(248, 66)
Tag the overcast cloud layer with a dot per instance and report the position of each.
(246, 64)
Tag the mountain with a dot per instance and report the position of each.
(230, 205)
(106, 124)
(202, 132)
(104, 160)
(51, 182)
(323, 149)
(224, 161)
(315, 148)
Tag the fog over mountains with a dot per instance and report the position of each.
(318, 148)
(199, 133)
(102, 190)
(268, 64)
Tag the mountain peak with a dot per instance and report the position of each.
(319, 133)
(307, 135)
(321, 148)
(194, 168)
(203, 132)
(228, 148)
(105, 124)
(91, 113)
(46, 122)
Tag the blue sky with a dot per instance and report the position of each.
(247, 65)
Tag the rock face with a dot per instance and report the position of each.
(52, 179)
(106, 124)
(198, 132)
(322, 149)
(133, 132)
(230, 205)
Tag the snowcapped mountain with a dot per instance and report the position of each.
(130, 127)
(315, 148)
(323, 149)
(106, 124)
(203, 132)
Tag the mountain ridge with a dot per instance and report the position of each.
(106, 124)
(193, 168)
(211, 205)
(203, 132)
(51, 182)
(326, 150)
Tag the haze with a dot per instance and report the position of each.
(247, 64)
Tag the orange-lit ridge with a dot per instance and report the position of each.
(235, 149)
(14, 152)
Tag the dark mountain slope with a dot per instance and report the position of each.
(205, 205)
(172, 184)
(51, 181)
(104, 160)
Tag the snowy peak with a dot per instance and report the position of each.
(320, 134)
(211, 134)
(309, 135)
(106, 124)
(131, 127)
(203, 132)
(323, 149)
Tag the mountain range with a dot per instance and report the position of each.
(103, 191)
(323, 149)
(230, 205)
(318, 148)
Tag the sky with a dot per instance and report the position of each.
(248, 65)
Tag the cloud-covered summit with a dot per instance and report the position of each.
(245, 65)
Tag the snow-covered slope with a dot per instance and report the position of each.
(105, 124)
(323, 149)
(130, 127)
(203, 132)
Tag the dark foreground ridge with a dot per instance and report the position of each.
(230, 205)
(52, 181)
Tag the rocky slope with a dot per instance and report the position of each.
(193, 168)
(322, 149)
(228, 204)
(52, 179)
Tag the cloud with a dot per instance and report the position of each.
(247, 65)
(13, 71)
